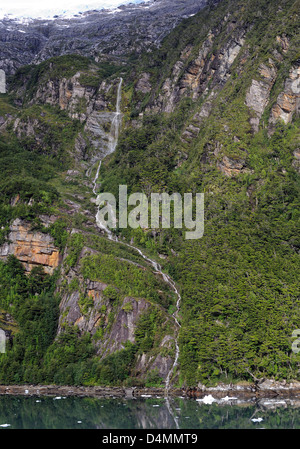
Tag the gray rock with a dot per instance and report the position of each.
(96, 33)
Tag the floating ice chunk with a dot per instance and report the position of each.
(227, 398)
(274, 402)
(209, 399)
(257, 419)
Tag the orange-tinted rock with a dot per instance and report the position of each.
(30, 247)
(288, 101)
(231, 167)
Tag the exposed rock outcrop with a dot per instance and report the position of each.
(296, 162)
(30, 247)
(258, 95)
(143, 85)
(231, 167)
(111, 323)
(208, 68)
(288, 101)
(73, 96)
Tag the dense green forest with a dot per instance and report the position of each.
(239, 284)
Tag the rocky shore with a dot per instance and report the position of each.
(242, 390)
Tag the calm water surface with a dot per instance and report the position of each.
(151, 413)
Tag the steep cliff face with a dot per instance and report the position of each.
(191, 76)
(72, 96)
(258, 95)
(288, 101)
(84, 97)
(215, 109)
(31, 248)
(112, 320)
(229, 52)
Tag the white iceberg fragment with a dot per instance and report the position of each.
(209, 399)
(257, 419)
(228, 398)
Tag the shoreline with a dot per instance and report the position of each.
(266, 389)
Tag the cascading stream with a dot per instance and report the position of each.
(113, 140)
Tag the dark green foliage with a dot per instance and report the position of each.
(25, 177)
(146, 158)
(111, 293)
(58, 230)
(75, 246)
(128, 278)
(117, 367)
(146, 330)
(94, 79)
(240, 282)
(33, 305)
(66, 357)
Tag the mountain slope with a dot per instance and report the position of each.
(216, 110)
(101, 35)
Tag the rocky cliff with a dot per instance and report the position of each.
(88, 305)
(30, 247)
(216, 109)
(205, 70)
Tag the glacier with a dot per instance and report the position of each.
(33, 9)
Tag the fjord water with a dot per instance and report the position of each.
(151, 413)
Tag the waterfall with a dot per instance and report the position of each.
(168, 280)
(115, 125)
(113, 134)
(113, 140)
(96, 178)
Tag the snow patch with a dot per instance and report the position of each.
(34, 9)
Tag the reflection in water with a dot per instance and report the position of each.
(152, 413)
